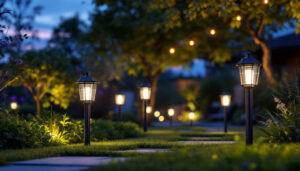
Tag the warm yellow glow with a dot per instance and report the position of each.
(156, 113)
(88, 93)
(238, 18)
(148, 109)
(172, 50)
(248, 76)
(171, 112)
(225, 100)
(266, 1)
(212, 32)
(14, 105)
(145, 93)
(120, 99)
(161, 118)
(191, 42)
(191, 115)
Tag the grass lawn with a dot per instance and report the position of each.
(182, 156)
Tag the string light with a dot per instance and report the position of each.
(212, 32)
(172, 50)
(238, 18)
(266, 1)
(191, 42)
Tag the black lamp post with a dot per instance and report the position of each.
(225, 102)
(120, 101)
(249, 69)
(87, 93)
(171, 112)
(145, 95)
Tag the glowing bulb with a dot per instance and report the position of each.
(13, 105)
(212, 32)
(120, 99)
(156, 113)
(191, 115)
(238, 18)
(171, 112)
(248, 76)
(145, 93)
(148, 109)
(225, 100)
(172, 50)
(88, 93)
(191, 42)
(161, 118)
(266, 1)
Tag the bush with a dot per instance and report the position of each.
(108, 130)
(284, 125)
(16, 132)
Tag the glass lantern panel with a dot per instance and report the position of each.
(225, 100)
(145, 93)
(171, 112)
(249, 75)
(120, 99)
(87, 92)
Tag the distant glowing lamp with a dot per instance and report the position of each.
(172, 50)
(14, 105)
(120, 101)
(171, 112)
(145, 95)
(212, 32)
(148, 109)
(157, 114)
(238, 18)
(191, 42)
(225, 102)
(161, 118)
(191, 117)
(266, 1)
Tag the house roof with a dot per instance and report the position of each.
(290, 40)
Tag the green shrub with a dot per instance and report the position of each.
(62, 128)
(108, 130)
(16, 132)
(284, 125)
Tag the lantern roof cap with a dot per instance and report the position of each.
(225, 93)
(119, 92)
(249, 59)
(86, 79)
(145, 85)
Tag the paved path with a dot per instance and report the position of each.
(205, 138)
(68, 163)
(144, 150)
(207, 142)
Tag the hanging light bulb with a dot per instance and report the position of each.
(266, 1)
(212, 32)
(172, 50)
(191, 42)
(238, 18)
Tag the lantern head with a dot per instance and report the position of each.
(249, 70)
(225, 99)
(171, 112)
(157, 113)
(148, 109)
(87, 88)
(191, 115)
(120, 98)
(145, 91)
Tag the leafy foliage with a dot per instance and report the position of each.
(108, 130)
(283, 124)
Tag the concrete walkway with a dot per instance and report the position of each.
(144, 150)
(207, 142)
(68, 163)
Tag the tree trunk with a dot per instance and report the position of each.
(153, 95)
(266, 61)
(38, 107)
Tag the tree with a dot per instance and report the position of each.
(48, 76)
(243, 19)
(132, 33)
